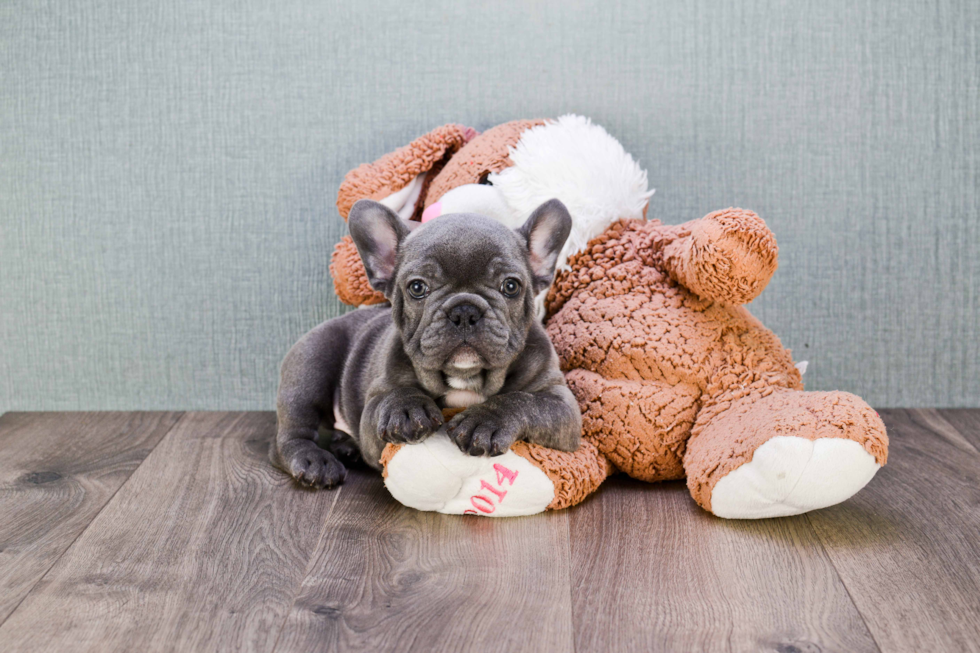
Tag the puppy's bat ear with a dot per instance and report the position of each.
(545, 233)
(377, 232)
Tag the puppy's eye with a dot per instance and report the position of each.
(511, 287)
(418, 289)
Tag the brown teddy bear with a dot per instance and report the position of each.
(674, 377)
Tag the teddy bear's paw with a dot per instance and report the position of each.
(434, 475)
(790, 475)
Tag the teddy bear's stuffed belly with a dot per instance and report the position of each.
(663, 338)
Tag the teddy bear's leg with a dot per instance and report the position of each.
(434, 475)
(785, 453)
(642, 427)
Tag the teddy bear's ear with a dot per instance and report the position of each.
(478, 159)
(397, 177)
(545, 233)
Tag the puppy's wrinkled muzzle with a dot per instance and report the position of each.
(465, 317)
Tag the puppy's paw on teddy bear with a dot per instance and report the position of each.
(483, 431)
(407, 418)
(523, 480)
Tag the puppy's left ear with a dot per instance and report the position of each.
(545, 233)
(377, 232)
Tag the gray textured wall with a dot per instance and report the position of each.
(168, 170)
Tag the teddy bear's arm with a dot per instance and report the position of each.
(727, 256)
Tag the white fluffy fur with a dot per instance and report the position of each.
(583, 166)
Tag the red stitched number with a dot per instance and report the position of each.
(490, 507)
(504, 473)
(486, 505)
(500, 493)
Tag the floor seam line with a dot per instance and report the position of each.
(571, 606)
(939, 415)
(309, 567)
(47, 571)
(850, 596)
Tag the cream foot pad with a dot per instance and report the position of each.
(434, 475)
(790, 475)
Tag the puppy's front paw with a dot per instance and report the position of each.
(312, 466)
(408, 418)
(482, 431)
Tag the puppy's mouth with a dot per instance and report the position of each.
(465, 361)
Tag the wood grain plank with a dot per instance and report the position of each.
(203, 549)
(966, 421)
(57, 471)
(908, 546)
(388, 578)
(653, 572)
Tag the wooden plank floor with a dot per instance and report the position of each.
(170, 532)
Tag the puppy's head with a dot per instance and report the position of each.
(461, 287)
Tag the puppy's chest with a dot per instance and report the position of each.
(463, 393)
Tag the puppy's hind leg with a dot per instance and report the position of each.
(343, 446)
(310, 375)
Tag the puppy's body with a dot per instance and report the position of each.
(460, 332)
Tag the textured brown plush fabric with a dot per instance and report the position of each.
(728, 256)
(575, 475)
(654, 362)
(488, 152)
(640, 426)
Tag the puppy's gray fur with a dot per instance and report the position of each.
(383, 373)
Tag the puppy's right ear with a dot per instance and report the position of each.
(377, 232)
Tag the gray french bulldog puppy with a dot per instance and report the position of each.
(460, 331)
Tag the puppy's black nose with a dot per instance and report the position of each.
(465, 316)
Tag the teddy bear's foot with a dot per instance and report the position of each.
(434, 475)
(785, 454)
(791, 475)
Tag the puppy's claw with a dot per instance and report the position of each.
(421, 423)
(480, 442)
(500, 444)
(435, 415)
(460, 431)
